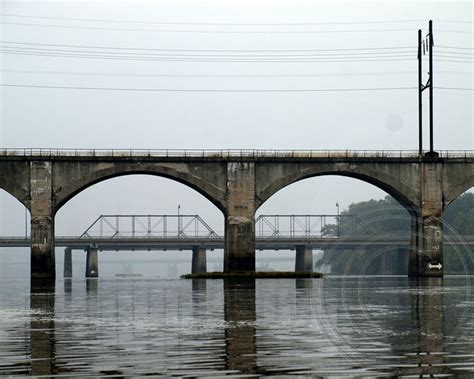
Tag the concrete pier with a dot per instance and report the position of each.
(199, 263)
(92, 263)
(239, 251)
(304, 259)
(67, 263)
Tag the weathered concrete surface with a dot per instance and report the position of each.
(67, 263)
(92, 263)
(238, 186)
(304, 259)
(239, 248)
(199, 262)
(430, 240)
(42, 220)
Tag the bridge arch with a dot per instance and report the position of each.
(86, 175)
(391, 183)
(457, 186)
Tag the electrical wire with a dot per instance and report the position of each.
(180, 54)
(208, 31)
(210, 50)
(209, 23)
(207, 75)
(205, 90)
(209, 60)
(456, 88)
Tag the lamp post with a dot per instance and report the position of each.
(338, 220)
(179, 221)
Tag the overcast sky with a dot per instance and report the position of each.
(366, 119)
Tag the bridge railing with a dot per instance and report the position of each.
(224, 153)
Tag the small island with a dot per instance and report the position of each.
(254, 275)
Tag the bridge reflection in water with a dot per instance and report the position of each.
(251, 327)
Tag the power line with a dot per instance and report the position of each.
(205, 90)
(209, 31)
(209, 23)
(207, 53)
(456, 88)
(208, 75)
(388, 54)
(456, 21)
(456, 47)
(455, 31)
(211, 50)
(213, 60)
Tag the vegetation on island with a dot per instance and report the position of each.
(387, 217)
(254, 274)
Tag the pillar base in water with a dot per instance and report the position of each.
(304, 259)
(199, 263)
(92, 263)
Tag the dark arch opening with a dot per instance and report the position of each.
(390, 214)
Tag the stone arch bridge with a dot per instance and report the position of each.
(238, 183)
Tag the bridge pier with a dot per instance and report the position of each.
(427, 227)
(42, 221)
(92, 263)
(199, 263)
(239, 245)
(304, 259)
(67, 263)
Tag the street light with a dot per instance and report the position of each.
(338, 220)
(179, 221)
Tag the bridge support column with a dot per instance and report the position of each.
(67, 263)
(42, 221)
(304, 259)
(92, 263)
(239, 248)
(427, 227)
(199, 263)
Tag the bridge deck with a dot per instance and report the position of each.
(274, 243)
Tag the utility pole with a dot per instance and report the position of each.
(420, 98)
(431, 85)
(423, 47)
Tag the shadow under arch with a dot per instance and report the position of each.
(212, 196)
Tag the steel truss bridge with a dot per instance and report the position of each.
(186, 232)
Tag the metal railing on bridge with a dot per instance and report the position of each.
(193, 226)
(149, 226)
(224, 153)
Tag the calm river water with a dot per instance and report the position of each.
(351, 326)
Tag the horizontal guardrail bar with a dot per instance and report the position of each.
(224, 153)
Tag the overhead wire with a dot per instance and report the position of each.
(207, 31)
(208, 75)
(209, 23)
(208, 50)
(204, 90)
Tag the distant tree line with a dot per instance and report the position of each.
(388, 218)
